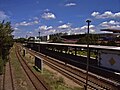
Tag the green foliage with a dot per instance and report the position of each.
(56, 38)
(55, 82)
(92, 38)
(6, 41)
(111, 43)
(102, 43)
(21, 40)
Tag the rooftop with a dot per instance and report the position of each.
(111, 30)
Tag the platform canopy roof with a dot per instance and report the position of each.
(111, 30)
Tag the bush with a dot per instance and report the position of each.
(111, 43)
(60, 80)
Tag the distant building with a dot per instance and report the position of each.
(72, 38)
(103, 37)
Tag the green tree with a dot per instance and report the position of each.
(111, 43)
(93, 39)
(20, 40)
(56, 38)
(6, 41)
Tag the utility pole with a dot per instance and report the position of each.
(88, 55)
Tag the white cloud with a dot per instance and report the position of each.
(47, 30)
(85, 27)
(60, 21)
(72, 30)
(92, 31)
(91, 27)
(36, 22)
(36, 18)
(64, 26)
(50, 27)
(110, 24)
(44, 27)
(116, 27)
(24, 23)
(107, 14)
(70, 4)
(48, 16)
(29, 32)
(95, 14)
(76, 29)
(3, 16)
(47, 10)
(52, 31)
(16, 28)
(117, 14)
(114, 22)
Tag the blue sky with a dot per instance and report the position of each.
(53, 16)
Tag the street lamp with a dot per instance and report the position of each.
(88, 54)
(39, 35)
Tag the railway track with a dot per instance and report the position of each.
(35, 80)
(8, 77)
(95, 81)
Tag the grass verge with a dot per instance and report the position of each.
(19, 76)
(55, 82)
